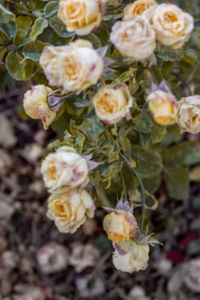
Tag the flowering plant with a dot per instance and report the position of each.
(107, 76)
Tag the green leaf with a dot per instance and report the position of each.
(152, 184)
(33, 50)
(177, 180)
(59, 27)
(170, 54)
(148, 163)
(177, 155)
(38, 27)
(23, 27)
(3, 50)
(8, 29)
(19, 68)
(50, 9)
(6, 15)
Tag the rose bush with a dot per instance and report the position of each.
(119, 100)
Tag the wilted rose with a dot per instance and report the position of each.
(134, 37)
(112, 104)
(74, 67)
(70, 210)
(189, 114)
(130, 256)
(64, 170)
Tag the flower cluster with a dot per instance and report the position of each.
(75, 68)
(130, 253)
(65, 175)
(146, 22)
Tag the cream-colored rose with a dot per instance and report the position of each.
(112, 104)
(64, 170)
(74, 67)
(189, 114)
(70, 210)
(134, 37)
(163, 107)
(81, 16)
(130, 256)
(36, 105)
(140, 7)
(173, 26)
(120, 226)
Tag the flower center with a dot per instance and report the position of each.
(107, 104)
(170, 17)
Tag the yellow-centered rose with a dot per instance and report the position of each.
(112, 104)
(189, 114)
(173, 26)
(131, 257)
(139, 7)
(36, 105)
(163, 107)
(64, 170)
(74, 67)
(70, 210)
(120, 226)
(134, 37)
(81, 16)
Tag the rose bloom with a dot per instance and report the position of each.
(173, 27)
(64, 170)
(140, 7)
(130, 256)
(81, 16)
(134, 37)
(163, 107)
(74, 67)
(189, 114)
(70, 210)
(120, 226)
(36, 105)
(112, 104)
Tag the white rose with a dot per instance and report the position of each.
(81, 16)
(130, 256)
(173, 27)
(134, 37)
(36, 105)
(64, 170)
(189, 114)
(112, 104)
(70, 210)
(74, 67)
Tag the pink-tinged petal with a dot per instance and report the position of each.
(188, 239)
(102, 51)
(119, 249)
(42, 115)
(107, 123)
(32, 90)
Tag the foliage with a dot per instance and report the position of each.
(152, 150)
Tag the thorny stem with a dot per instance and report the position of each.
(141, 187)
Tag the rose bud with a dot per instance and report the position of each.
(140, 7)
(36, 105)
(120, 225)
(163, 106)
